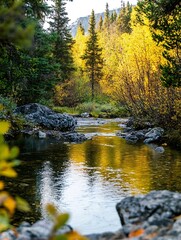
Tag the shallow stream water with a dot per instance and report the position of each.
(88, 179)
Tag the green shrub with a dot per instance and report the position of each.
(16, 121)
(105, 110)
(8, 107)
(67, 110)
(173, 137)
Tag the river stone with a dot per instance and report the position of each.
(9, 235)
(39, 230)
(153, 207)
(41, 134)
(140, 135)
(102, 236)
(154, 135)
(85, 115)
(159, 150)
(45, 117)
(74, 137)
(131, 138)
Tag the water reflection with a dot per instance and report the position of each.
(88, 179)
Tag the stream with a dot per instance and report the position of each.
(88, 179)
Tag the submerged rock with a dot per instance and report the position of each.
(46, 118)
(159, 150)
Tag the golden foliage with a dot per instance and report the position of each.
(4, 127)
(132, 75)
(7, 163)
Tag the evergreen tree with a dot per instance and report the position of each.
(124, 18)
(39, 69)
(165, 24)
(107, 17)
(92, 56)
(63, 40)
(100, 24)
(113, 17)
(81, 29)
(17, 31)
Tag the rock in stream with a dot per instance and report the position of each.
(46, 118)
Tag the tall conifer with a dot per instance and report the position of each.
(100, 24)
(107, 17)
(63, 39)
(92, 55)
(124, 18)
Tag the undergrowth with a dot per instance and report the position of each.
(105, 110)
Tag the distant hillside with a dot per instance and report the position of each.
(85, 21)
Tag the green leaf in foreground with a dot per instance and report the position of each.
(14, 152)
(22, 205)
(61, 220)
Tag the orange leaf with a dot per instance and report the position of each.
(75, 236)
(1, 185)
(136, 233)
(10, 204)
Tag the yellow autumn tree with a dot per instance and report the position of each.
(75, 90)
(132, 74)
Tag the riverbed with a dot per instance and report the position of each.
(89, 178)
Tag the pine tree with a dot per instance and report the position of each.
(63, 40)
(100, 24)
(92, 56)
(113, 17)
(107, 17)
(18, 25)
(81, 29)
(124, 18)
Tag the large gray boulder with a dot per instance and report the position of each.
(153, 207)
(155, 216)
(46, 118)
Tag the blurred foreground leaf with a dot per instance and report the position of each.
(22, 205)
(4, 127)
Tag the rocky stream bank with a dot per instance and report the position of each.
(45, 123)
(146, 134)
(155, 216)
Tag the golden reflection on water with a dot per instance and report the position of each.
(113, 153)
(88, 179)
